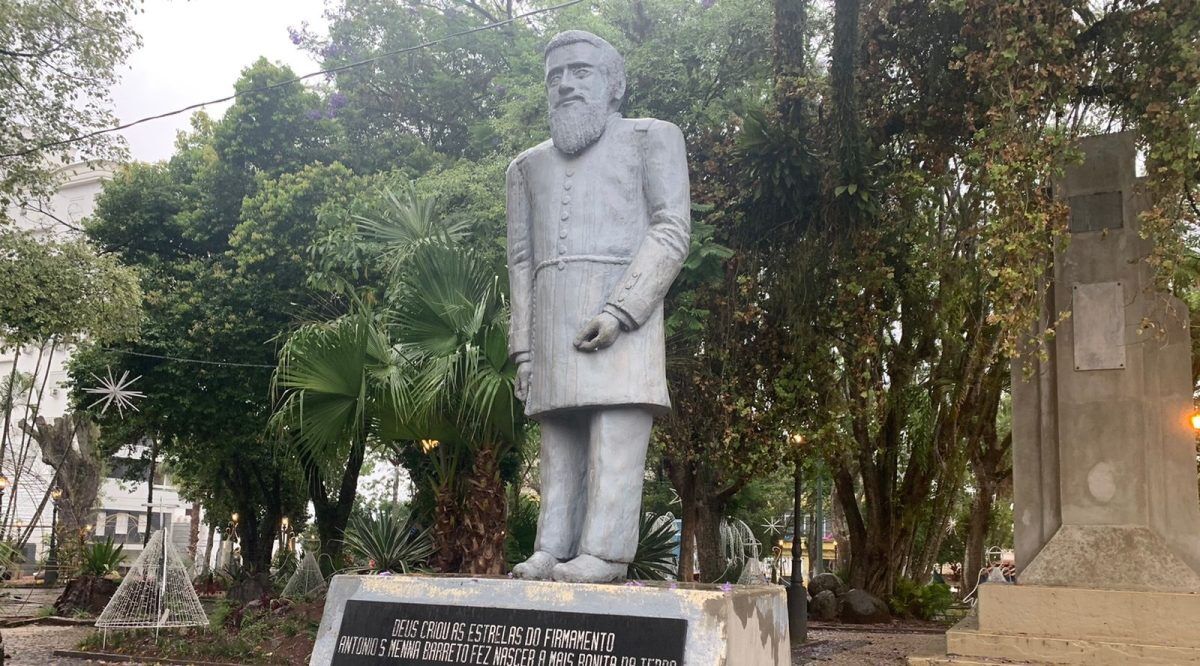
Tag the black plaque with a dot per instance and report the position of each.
(1096, 212)
(404, 634)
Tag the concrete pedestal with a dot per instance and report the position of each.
(418, 620)
(1031, 624)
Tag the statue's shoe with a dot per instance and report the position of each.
(589, 569)
(537, 567)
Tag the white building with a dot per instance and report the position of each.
(121, 504)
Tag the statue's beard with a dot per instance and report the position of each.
(577, 126)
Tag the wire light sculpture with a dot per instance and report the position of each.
(115, 392)
(306, 581)
(156, 593)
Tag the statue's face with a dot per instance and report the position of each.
(578, 95)
(574, 76)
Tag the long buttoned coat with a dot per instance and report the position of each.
(606, 229)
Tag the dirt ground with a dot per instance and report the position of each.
(34, 646)
(863, 648)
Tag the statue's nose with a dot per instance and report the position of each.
(566, 84)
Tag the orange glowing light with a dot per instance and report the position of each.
(1196, 420)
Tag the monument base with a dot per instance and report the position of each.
(1032, 624)
(420, 620)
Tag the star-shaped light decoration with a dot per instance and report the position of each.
(675, 498)
(115, 392)
(775, 525)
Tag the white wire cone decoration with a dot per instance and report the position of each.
(156, 593)
(306, 580)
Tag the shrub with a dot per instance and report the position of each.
(101, 558)
(387, 540)
(655, 557)
(925, 602)
(522, 530)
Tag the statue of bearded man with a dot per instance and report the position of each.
(598, 227)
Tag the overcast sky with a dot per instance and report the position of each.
(193, 50)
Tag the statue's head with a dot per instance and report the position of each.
(585, 81)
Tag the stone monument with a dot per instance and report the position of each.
(1107, 517)
(598, 227)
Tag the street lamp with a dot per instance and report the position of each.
(52, 560)
(283, 533)
(1196, 420)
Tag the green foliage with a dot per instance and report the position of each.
(282, 567)
(64, 290)
(655, 556)
(329, 378)
(924, 602)
(387, 539)
(58, 65)
(522, 529)
(101, 558)
(219, 237)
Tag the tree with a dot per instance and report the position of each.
(431, 366)
(219, 290)
(908, 268)
(58, 65)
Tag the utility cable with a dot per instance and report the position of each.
(323, 72)
(186, 360)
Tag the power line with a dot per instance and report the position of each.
(186, 360)
(323, 72)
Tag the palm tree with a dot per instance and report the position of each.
(329, 382)
(451, 330)
(431, 366)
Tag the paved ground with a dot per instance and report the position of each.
(26, 601)
(862, 648)
(34, 645)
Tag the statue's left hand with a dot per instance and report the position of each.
(598, 333)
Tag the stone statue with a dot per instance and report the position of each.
(598, 227)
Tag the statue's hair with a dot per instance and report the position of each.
(611, 62)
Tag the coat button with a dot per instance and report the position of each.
(629, 285)
(570, 172)
(636, 275)
(566, 199)
(620, 298)
(565, 214)
(562, 265)
(566, 185)
(562, 233)
(562, 248)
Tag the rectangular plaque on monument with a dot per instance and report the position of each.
(409, 634)
(434, 620)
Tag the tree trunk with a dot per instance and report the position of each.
(194, 532)
(150, 492)
(980, 522)
(713, 565)
(68, 445)
(797, 595)
(816, 533)
(208, 546)
(332, 515)
(485, 515)
(688, 517)
(8, 405)
(446, 556)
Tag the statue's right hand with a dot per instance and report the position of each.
(524, 378)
